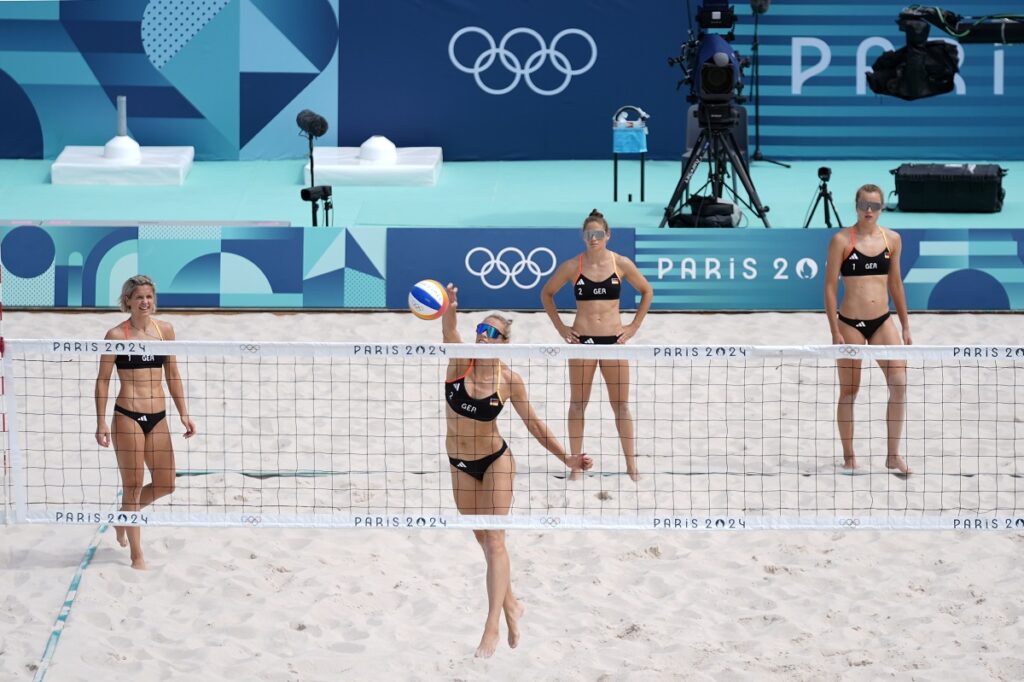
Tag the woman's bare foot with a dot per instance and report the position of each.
(632, 470)
(896, 462)
(488, 643)
(512, 620)
(850, 462)
(122, 535)
(139, 563)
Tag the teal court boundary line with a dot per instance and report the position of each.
(69, 602)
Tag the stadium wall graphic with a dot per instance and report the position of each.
(238, 267)
(527, 79)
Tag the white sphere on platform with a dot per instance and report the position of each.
(378, 149)
(122, 149)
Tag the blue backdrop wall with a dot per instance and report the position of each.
(310, 268)
(522, 79)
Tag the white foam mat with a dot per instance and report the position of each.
(416, 166)
(88, 166)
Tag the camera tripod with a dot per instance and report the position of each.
(824, 194)
(717, 143)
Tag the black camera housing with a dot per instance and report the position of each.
(317, 193)
(716, 14)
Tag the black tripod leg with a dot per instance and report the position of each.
(731, 148)
(834, 211)
(642, 156)
(615, 177)
(717, 167)
(810, 216)
(696, 154)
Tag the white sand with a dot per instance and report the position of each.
(303, 604)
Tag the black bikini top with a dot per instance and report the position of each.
(481, 409)
(605, 290)
(140, 361)
(856, 264)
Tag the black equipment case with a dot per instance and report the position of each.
(950, 187)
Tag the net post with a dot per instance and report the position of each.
(5, 512)
(16, 462)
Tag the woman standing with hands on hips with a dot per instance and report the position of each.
(596, 277)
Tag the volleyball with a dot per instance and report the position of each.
(428, 299)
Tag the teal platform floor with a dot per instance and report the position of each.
(503, 194)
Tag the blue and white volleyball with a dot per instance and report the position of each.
(428, 299)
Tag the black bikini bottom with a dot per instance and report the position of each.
(865, 327)
(478, 467)
(145, 421)
(599, 340)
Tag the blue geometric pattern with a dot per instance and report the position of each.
(180, 62)
(228, 77)
(300, 268)
(21, 135)
(289, 62)
(225, 267)
(168, 25)
(965, 269)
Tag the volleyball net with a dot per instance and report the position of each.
(353, 435)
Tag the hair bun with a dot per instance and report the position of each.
(596, 214)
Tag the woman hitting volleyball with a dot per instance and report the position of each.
(481, 462)
(596, 277)
(140, 434)
(867, 256)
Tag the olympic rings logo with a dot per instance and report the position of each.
(518, 69)
(252, 520)
(852, 351)
(249, 348)
(550, 521)
(848, 523)
(496, 263)
(551, 351)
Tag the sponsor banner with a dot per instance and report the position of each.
(714, 269)
(493, 268)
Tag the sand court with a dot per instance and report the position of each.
(404, 604)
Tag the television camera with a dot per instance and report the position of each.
(714, 73)
(925, 68)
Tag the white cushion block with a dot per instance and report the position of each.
(88, 166)
(417, 166)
